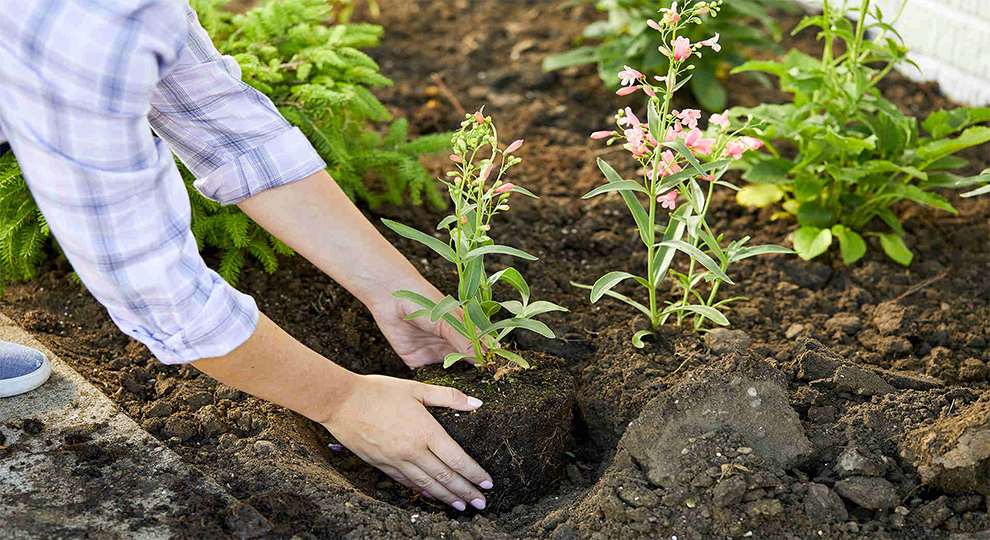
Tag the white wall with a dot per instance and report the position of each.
(949, 40)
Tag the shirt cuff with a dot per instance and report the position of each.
(225, 322)
(287, 158)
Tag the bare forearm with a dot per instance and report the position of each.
(315, 218)
(272, 365)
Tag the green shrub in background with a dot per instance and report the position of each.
(319, 79)
(857, 153)
(626, 39)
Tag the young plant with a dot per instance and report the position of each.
(678, 160)
(628, 39)
(857, 153)
(477, 200)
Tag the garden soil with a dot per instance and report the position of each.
(845, 402)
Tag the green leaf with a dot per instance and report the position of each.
(707, 312)
(979, 191)
(425, 302)
(452, 358)
(759, 195)
(645, 310)
(417, 314)
(622, 185)
(771, 171)
(478, 317)
(515, 307)
(514, 278)
(639, 214)
(512, 357)
(526, 324)
(607, 282)
(685, 152)
(941, 123)
(436, 245)
(895, 248)
(500, 250)
(540, 307)
(851, 244)
(443, 307)
(637, 339)
(700, 257)
(815, 214)
(653, 119)
(674, 231)
(938, 149)
(767, 249)
(949, 162)
(574, 57)
(811, 242)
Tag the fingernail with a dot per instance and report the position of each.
(459, 506)
(474, 402)
(478, 503)
(487, 484)
(427, 495)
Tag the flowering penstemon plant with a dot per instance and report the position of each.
(679, 162)
(477, 199)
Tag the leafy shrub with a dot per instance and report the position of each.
(626, 38)
(857, 153)
(319, 79)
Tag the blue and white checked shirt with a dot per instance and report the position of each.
(80, 83)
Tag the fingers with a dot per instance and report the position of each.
(443, 396)
(424, 481)
(456, 484)
(453, 456)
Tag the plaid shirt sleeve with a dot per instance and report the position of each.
(79, 81)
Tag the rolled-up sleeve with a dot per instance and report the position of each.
(78, 83)
(227, 133)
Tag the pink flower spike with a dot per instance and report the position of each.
(682, 48)
(735, 149)
(479, 118)
(629, 76)
(626, 90)
(690, 117)
(654, 25)
(721, 120)
(668, 200)
(503, 188)
(752, 142)
(713, 43)
(602, 134)
(514, 146)
(456, 158)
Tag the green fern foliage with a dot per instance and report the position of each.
(23, 230)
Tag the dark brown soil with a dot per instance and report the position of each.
(521, 433)
(883, 366)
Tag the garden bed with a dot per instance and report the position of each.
(849, 387)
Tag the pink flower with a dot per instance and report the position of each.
(485, 171)
(479, 118)
(682, 48)
(602, 134)
(735, 149)
(463, 220)
(634, 136)
(752, 142)
(667, 164)
(696, 142)
(668, 200)
(503, 188)
(654, 25)
(649, 91)
(721, 120)
(637, 151)
(514, 146)
(456, 158)
(626, 90)
(713, 43)
(660, 79)
(702, 11)
(629, 119)
(690, 117)
(629, 76)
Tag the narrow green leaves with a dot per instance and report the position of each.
(439, 247)
(621, 185)
(512, 357)
(498, 250)
(635, 208)
(700, 257)
(606, 282)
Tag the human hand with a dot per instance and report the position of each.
(418, 342)
(384, 421)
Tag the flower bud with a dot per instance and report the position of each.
(602, 134)
(456, 158)
(502, 207)
(503, 188)
(485, 228)
(514, 146)
(479, 118)
(463, 220)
